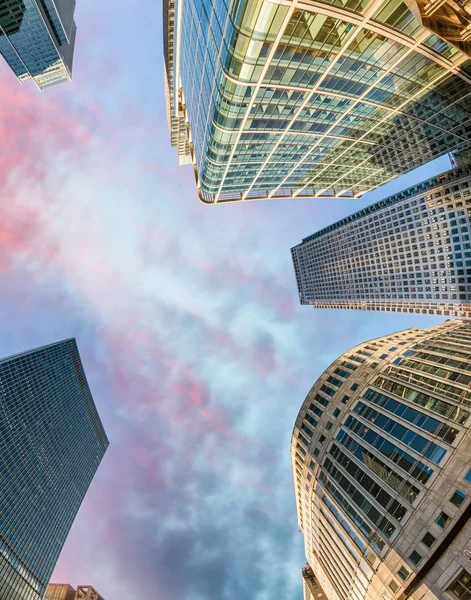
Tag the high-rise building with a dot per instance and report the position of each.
(61, 591)
(37, 39)
(51, 443)
(410, 252)
(175, 116)
(324, 99)
(381, 457)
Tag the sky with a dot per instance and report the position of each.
(187, 319)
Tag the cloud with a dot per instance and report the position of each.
(187, 320)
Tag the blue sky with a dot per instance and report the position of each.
(186, 316)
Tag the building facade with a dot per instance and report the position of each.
(381, 457)
(410, 252)
(37, 39)
(311, 588)
(51, 444)
(324, 99)
(61, 591)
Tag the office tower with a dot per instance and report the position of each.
(381, 457)
(316, 99)
(37, 39)
(410, 252)
(51, 444)
(59, 591)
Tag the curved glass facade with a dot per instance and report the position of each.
(285, 98)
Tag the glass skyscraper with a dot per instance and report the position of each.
(381, 458)
(51, 443)
(410, 252)
(325, 99)
(37, 39)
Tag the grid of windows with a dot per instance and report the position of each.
(408, 253)
(461, 586)
(386, 456)
(51, 443)
(282, 101)
(37, 39)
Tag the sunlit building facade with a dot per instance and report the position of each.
(37, 39)
(51, 444)
(61, 591)
(381, 458)
(311, 588)
(410, 252)
(289, 98)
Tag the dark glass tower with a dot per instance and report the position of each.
(51, 443)
(37, 39)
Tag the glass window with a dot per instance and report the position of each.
(307, 430)
(467, 477)
(355, 387)
(428, 540)
(345, 399)
(461, 586)
(328, 426)
(403, 573)
(458, 498)
(336, 412)
(443, 519)
(415, 558)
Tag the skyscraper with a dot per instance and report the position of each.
(51, 443)
(381, 457)
(37, 39)
(325, 99)
(410, 252)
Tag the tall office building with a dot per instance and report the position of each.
(381, 457)
(37, 39)
(60, 591)
(51, 443)
(410, 252)
(324, 99)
